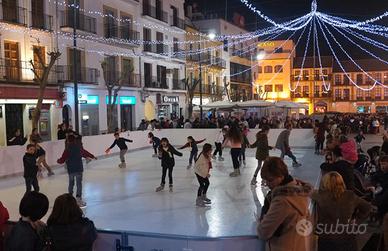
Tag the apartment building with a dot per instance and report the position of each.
(208, 66)
(238, 55)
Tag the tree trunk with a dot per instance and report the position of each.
(38, 108)
(190, 109)
(111, 126)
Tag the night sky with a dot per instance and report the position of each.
(284, 10)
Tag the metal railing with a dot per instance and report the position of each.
(156, 48)
(241, 79)
(121, 32)
(65, 74)
(178, 53)
(152, 11)
(84, 22)
(13, 14)
(125, 79)
(153, 82)
(41, 21)
(177, 22)
(178, 84)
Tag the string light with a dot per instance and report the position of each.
(367, 39)
(327, 87)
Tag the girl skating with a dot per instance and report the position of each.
(262, 150)
(202, 170)
(234, 140)
(194, 149)
(35, 139)
(155, 141)
(166, 154)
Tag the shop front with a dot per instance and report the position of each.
(168, 106)
(320, 107)
(89, 111)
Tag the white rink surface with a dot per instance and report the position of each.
(125, 199)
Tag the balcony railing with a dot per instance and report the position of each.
(178, 53)
(156, 48)
(84, 22)
(178, 84)
(149, 10)
(41, 21)
(153, 82)
(13, 14)
(122, 32)
(241, 54)
(125, 79)
(177, 22)
(207, 89)
(65, 74)
(241, 79)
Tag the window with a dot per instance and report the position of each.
(386, 92)
(367, 94)
(306, 91)
(225, 44)
(378, 77)
(346, 94)
(39, 52)
(160, 46)
(346, 79)
(359, 79)
(110, 23)
(278, 68)
(279, 50)
(147, 38)
(324, 72)
(175, 46)
(317, 75)
(260, 69)
(316, 89)
(147, 74)
(298, 90)
(305, 75)
(337, 79)
(268, 88)
(359, 93)
(296, 76)
(385, 78)
(378, 92)
(337, 93)
(268, 69)
(278, 88)
(161, 76)
(368, 80)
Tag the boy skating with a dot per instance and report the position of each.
(120, 142)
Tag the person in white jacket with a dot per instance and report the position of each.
(202, 170)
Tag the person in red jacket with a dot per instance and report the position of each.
(4, 217)
(73, 155)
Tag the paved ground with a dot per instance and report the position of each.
(125, 199)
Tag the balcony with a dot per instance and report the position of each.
(241, 79)
(126, 79)
(177, 22)
(151, 11)
(153, 82)
(123, 32)
(84, 22)
(156, 48)
(213, 90)
(41, 21)
(178, 53)
(326, 77)
(20, 72)
(13, 14)
(178, 84)
(84, 75)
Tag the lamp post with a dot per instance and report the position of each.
(76, 119)
(259, 56)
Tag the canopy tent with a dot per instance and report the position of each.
(254, 103)
(289, 104)
(220, 105)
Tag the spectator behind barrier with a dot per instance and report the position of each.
(68, 228)
(348, 208)
(28, 233)
(285, 206)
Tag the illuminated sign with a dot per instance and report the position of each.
(266, 44)
(124, 100)
(88, 99)
(170, 99)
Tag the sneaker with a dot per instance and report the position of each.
(199, 202)
(296, 164)
(220, 158)
(253, 182)
(235, 173)
(81, 203)
(206, 200)
(159, 188)
(51, 173)
(189, 166)
(170, 188)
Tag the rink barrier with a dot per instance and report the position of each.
(11, 157)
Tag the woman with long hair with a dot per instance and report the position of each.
(68, 228)
(202, 170)
(349, 209)
(234, 139)
(35, 139)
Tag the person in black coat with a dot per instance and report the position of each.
(166, 154)
(30, 169)
(67, 228)
(341, 166)
(73, 155)
(155, 143)
(18, 139)
(61, 134)
(120, 142)
(28, 233)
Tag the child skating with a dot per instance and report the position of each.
(30, 169)
(218, 143)
(120, 142)
(202, 170)
(166, 155)
(192, 144)
(155, 141)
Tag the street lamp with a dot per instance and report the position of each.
(259, 56)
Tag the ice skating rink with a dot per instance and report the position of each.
(125, 199)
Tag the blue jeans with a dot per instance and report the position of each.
(193, 155)
(78, 178)
(289, 154)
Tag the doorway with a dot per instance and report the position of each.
(66, 115)
(127, 117)
(13, 119)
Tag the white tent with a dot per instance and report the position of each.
(289, 104)
(255, 103)
(220, 105)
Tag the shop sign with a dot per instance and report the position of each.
(266, 44)
(88, 99)
(170, 99)
(127, 100)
